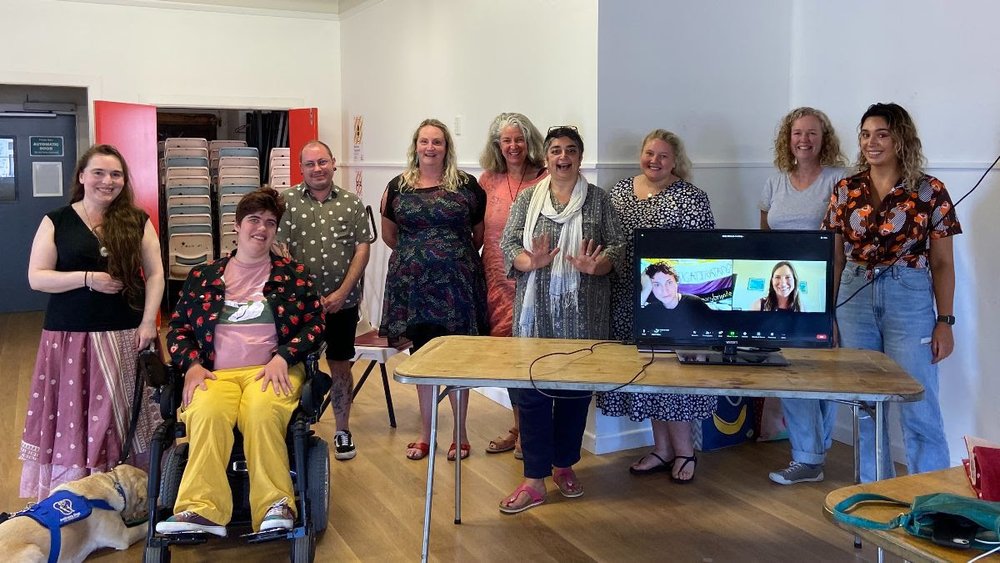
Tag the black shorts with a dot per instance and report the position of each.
(339, 334)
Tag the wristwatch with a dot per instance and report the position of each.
(946, 319)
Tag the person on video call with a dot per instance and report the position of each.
(782, 293)
(659, 288)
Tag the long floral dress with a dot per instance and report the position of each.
(500, 196)
(435, 275)
(680, 206)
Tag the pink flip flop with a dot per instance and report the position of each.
(567, 482)
(535, 498)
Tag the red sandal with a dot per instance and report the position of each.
(423, 447)
(466, 449)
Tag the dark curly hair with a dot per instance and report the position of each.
(661, 268)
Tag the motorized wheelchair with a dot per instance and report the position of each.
(309, 460)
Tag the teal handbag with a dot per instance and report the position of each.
(944, 518)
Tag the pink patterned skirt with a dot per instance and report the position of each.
(80, 408)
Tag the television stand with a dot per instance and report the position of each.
(730, 354)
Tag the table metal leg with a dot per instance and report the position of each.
(458, 457)
(878, 456)
(856, 411)
(878, 440)
(430, 476)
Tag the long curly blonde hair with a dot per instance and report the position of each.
(829, 153)
(452, 177)
(121, 230)
(903, 131)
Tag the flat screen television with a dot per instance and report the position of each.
(733, 296)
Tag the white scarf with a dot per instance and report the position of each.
(564, 279)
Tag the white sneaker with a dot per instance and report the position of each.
(278, 517)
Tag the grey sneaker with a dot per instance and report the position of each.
(344, 445)
(278, 517)
(187, 522)
(797, 473)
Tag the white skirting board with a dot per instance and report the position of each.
(606, 434)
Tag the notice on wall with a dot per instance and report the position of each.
(358, 138)
(46, 146)
(47, 179)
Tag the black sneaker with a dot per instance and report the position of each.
(797, 473)
(344, 445)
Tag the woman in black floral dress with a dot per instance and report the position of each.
(659, 197)
(432, 219)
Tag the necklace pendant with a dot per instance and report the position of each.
(104, 252)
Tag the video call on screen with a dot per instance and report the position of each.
(724, 278)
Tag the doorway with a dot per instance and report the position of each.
(38, 150)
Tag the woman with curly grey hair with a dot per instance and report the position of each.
(512, 161)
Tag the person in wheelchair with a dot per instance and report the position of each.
(240, 332)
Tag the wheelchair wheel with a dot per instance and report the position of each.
(173, 470)
(304, 548)
(156, 555)
(318, 493)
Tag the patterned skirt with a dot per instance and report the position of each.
(80, 408)
(656, 406)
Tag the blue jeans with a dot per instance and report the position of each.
(810, 428)
(895, 315)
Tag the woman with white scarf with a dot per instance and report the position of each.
(562, 240)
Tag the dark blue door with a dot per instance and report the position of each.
(21, 210)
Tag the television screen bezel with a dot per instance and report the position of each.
(688, 343)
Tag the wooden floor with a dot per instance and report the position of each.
(732, 512)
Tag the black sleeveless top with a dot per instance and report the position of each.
(82, 310)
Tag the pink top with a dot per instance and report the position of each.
(245, 335)
(499, 288)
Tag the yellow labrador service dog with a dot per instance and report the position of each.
(111, 499)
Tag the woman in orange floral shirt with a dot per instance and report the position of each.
(897, 276)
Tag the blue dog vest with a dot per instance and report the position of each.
(60, 509)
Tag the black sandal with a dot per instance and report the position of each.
(664, 465)
(692, 459)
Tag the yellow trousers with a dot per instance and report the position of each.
(235, 399)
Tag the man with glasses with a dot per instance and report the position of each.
(326, 229)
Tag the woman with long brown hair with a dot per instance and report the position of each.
(99, 259)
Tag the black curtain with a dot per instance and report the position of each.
(266, 130)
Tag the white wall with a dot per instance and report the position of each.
(939, 61)
(405, 61)
(715, 73)
(170, 57)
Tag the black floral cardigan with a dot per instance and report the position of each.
(298, 315)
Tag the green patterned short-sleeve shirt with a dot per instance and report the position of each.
(323, 235)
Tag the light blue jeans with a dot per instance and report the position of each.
(895, 315)
(810, 428)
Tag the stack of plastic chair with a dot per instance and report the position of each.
(213, 152)
(239, 174)
(187, 187)
(279, 167)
